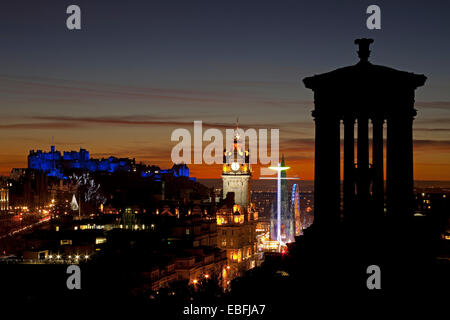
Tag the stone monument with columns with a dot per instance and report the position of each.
(368, 99)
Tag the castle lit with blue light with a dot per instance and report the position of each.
(56, 165)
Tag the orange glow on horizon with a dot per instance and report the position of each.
(303, 169)
(430, 162)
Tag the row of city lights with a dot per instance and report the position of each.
(195, 281)
(206, 276)
(59, 257)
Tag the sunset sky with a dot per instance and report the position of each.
(140, 69)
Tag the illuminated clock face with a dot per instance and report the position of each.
(235, 166)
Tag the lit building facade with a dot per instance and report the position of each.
(4, 196)
(236, 233)
(236, 225)
(236, 173)
(202, 263)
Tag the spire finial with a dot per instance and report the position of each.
(363, 48)
(236, 135)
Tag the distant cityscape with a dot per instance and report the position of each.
(69, 208)
(160, 237)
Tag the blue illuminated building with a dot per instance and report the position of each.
(178, 170)
(56, 164)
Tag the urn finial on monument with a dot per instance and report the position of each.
(363, 50)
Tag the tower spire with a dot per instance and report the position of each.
(236, 135)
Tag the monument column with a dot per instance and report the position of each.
(349, 167)
(377, 160)
(400, 164)
(389, 165)
(327, 170)
(363, 160)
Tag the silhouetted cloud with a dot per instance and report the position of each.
(432, 144)
(48, 88)
(432, 129)
(40, 126)
(145, 120)
(445, 105)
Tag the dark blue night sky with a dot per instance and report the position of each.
(139, 69)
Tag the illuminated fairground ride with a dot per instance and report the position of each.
(295, 208)
(267, 245)
(290, 226)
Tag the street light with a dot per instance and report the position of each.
(279, 168)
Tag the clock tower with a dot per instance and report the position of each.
(236, 173)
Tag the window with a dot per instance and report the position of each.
(100, 240)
